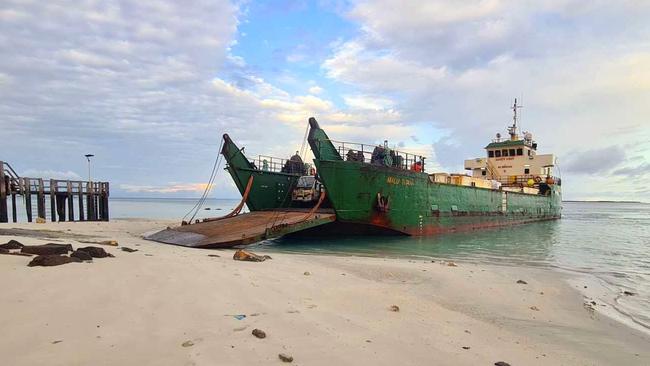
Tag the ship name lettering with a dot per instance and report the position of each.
(398, 181)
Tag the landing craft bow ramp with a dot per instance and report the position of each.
(242, 229)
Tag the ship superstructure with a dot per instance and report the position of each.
(513, 160)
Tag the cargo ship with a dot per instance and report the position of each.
(267, 183)
(374, 186)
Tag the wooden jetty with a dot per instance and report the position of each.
(91, 198)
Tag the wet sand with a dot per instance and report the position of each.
(168, 305)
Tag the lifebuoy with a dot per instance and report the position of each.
(538, 179)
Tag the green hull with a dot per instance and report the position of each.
(270, 190)
(415, 205)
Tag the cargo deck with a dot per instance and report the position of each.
(243, 229)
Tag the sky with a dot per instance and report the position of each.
(149, 87)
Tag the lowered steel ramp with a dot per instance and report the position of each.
(242, 229)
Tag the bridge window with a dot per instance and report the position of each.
(490, 154)
(497, 153)
(512, 152)
(520, 151)
(504, 152)
(526, 171)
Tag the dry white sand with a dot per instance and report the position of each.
(140, 308)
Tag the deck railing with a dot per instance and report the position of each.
(378, 155)
(269, 163)
(522, 180)
(272, 164)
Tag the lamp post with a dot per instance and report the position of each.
(88, 156)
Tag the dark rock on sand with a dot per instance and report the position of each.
(95, 252)
(129, 250)
(522, 282)
(12, 244)
(51, 260)
(84, 256)
(285, 358)
(629, 293)
(259, 333)
(47, 249)
(243, 255)
(501, 363)
(214, 255)
(394, 308)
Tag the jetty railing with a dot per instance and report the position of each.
(91, 198)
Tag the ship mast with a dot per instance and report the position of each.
(512, 130)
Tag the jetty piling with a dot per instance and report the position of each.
(91, 197)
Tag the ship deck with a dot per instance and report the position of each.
(243, 229)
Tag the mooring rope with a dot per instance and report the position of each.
(194, 210)
(303, 151)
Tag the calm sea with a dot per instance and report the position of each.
(609, 242)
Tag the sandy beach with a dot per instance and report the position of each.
(167, 305)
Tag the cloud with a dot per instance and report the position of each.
(367, 102)
(312, 90)
(51, 174)
(596, 161)
(169, 188)
(637, 171)
(454, 69)
(149, 87)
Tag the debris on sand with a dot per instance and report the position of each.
(112, 243)
(285, 358)
(466, 347)
(307, 273)
(629, 293)
(243, 255)
(47, 249)
(84, 256)
(501, 363)
(214, 255)
(535, 308)
(96, 252)
(51, 260)
(239, 316)
(522, 282)
(394, 308)
(12, 244)
(187, 344)
(259, 333)
(129, 250)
